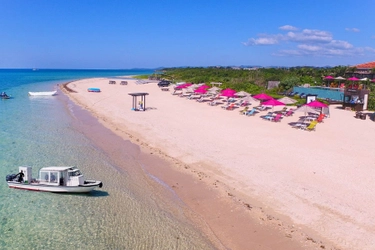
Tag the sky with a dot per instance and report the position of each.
(115, 34)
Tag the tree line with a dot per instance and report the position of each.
(255, 80)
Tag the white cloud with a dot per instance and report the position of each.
(309, 42)
(309, 47)
(352, 29)
(309, 36)
(369, 49)
(340, 44)
(288, 27)
(262, 40)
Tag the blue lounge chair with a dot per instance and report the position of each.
(251, 112)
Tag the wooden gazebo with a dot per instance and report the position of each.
(141, 105)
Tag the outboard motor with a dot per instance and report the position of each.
(10, 177)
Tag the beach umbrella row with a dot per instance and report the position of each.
(184, 85)
(349, 79)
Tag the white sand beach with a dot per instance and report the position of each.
(314, 188)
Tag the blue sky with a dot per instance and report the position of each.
(172, 33)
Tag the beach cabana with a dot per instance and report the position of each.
(141, 105)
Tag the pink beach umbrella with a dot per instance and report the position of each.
(262, 97)
(183, 86)
(353, 79)
(228, 93)
(204, 87)
(273, 103)
(200, 91)
(317, 104)
(329, 78)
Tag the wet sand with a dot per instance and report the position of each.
(236, 173)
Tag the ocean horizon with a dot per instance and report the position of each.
(129, 212)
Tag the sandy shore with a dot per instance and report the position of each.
(265, 184)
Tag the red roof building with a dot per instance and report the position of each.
(369, 65)
(363, 70)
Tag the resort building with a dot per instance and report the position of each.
(364, 70)
(352, 90)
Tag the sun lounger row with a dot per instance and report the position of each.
(303, 123)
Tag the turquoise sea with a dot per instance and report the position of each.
(131, 211)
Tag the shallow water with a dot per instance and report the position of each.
(129, 212)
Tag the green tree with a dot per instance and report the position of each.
(289, 82)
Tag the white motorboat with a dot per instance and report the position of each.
(43, 93)
(53, 179)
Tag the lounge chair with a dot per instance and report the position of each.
(250, 112)
(289, 112)
(268, 116)
(231, 106)
(283, 110)
(242, 112)
(312, 126)
(300, 124)
(261, 108)
(277, 118)
(214, 103)
(320, 118)
(225, 106)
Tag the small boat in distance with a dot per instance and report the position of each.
(43, 93)
(64, 179)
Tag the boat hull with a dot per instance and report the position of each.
(86, 188)
(45, 93)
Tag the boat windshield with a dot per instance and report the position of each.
(76, 172)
